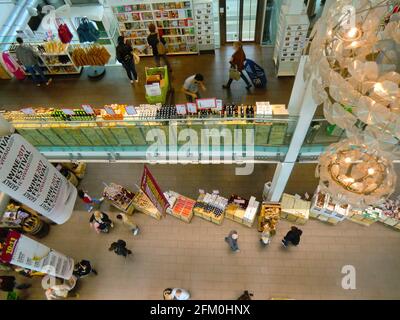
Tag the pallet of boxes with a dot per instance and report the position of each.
(242, 210)
(210, 207)
(294, 209)
(142, 203)
(180, 206)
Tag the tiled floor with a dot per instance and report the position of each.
(171, 253)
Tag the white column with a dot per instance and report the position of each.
(298, 90)
(284, 169)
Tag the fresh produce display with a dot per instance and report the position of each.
(210, 207)
(180, 207)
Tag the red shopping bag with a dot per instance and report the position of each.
(64, 34)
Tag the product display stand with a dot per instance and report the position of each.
(241, 210)
(180, 207)
(142, 203)
(173, 20)
(120, 198)
(294, 209)
(203, 13)
(323, 209)
(210, 207)
(269, 214)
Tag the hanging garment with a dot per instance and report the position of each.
(87, 32)
(13, 66)
(64, 34)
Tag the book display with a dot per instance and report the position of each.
(55, 57)
(120, 198)
(173, 20)
(294, 209)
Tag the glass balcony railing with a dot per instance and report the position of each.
(267, 138)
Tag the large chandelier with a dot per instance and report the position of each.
(354, 56)
(355, 174)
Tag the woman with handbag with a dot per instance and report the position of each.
(157, 44)
(101, 222)
(237, 66)
(126, 57)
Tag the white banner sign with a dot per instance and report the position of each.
(31, 179)
(24, 252)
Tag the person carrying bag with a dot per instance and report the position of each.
(127, 58)
(157, 44)
(237, 66)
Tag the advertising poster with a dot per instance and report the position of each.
(24, 252)
(31, 179)
(153, 191)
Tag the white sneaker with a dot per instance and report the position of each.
(132, 81)
(137, 80)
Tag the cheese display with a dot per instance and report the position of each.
(181, 207)
(210, 207)
(242, 210)
(120, 198)
(143, 204)
(294, 209)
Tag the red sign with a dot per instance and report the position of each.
(152, 190)
(9, 246)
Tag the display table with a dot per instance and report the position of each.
(269, 214)
(142, 203)
(324, 209)
(210, 207)
(242, 210)
(294, 209)
(365, 217)
(180, 207)
(119, 197)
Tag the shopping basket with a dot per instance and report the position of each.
(163, 71)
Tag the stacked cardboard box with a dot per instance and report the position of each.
(180, 207)
(242, 210)
(294, 209)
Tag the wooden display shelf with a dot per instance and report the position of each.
(209, 217)
(143, 204)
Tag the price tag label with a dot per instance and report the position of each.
(215, 191)
(181, 109)
(28, 111)
(206, 103)
(88, 109)
(191, 107)
(68, 111)
(201, 191)
(218, 104)
(109, 111)
(130, 110)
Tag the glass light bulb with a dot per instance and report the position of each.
(347, 160)
(371, 171)
(352, 32)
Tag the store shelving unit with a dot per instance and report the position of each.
(291, 39)
(204, 22)
(173, 20)
(51, 62)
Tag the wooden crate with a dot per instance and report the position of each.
(217, 220)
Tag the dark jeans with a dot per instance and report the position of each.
(232, 243)
(158, 58)
(243, 77)
(32, 70)
(130, 69)
(191, 99)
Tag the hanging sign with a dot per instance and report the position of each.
(24, 252)
(31, 179)
(151, 188)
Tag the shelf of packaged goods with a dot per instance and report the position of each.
(135, 30)
(172, 9)
(184, 27)
(171, 19)
(131, 21)
(135, 37)
(125, 12)
(65, 53)
(177, 35)
(145, 55)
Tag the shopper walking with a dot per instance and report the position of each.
(237, 63)
(128, 221)
(266, 235)
(30, 60)
(232, 239)
(157, 44)
(9, 283)
(125, 57)
(83, 268)
(63, 291)
(293, 237)
(89, 202)
(100, 222)
(119, 248)
(191, 87)
(176, 294)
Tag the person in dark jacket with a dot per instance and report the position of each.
(153, 40)
(101, 222)
(293, 237)
(232, 239)
(237, 61)
(125, 57)
(8, 283)
(120, 248)
(83, 268)
(30, 60)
